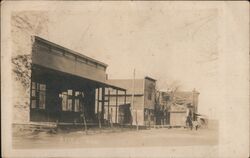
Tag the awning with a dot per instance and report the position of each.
(108, 85)
(43, 69)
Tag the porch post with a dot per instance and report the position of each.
(108, 103)
(103, 101)
(98, 114)
(116, 104)
(97, 110)
(125, 97)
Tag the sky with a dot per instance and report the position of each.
(165, 44)
(172, 45)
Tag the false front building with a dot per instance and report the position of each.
(53, 84)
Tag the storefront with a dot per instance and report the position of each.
(66, 86)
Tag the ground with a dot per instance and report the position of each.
(119, 137)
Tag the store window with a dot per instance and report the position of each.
(38, 95)
(77, 101)
(42, 96)
(64, 101)
(72, 100)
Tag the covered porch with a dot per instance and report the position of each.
(66, 99)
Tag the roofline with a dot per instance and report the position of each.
(69, 50)
(112, 86)
(130, 79)
(123, 79)
(179, 91)
(147, 77)
(127, 95)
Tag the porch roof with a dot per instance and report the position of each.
(111, 86)
(49, 71)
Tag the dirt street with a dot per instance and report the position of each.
(119, 138)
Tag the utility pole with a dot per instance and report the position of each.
(132, 99)
(133, 90)
(194, 111)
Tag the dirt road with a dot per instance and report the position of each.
(119, 138)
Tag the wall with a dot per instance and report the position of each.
(128, 85)
(23, 25)
(137, 108)
(21, 101)
(50, 57)
(149, 90)
(178, 118)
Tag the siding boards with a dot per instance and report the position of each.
(149, 94)
(66, 62)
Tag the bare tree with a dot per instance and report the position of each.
(173, 88)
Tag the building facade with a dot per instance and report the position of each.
(54, 84)
(140, 97)
(174, 107)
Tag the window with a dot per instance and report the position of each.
(77, 101)
(79, 96)
(42, 95)
(72, 100)
(42, 100)
(33, 90)
(64, 101)
(33, 95)
(77, 105)
(38, 95)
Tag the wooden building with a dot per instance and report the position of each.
(142, 109)
(176, 106)
(62, 86)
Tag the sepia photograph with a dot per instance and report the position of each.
(125, 79)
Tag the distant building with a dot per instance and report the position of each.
(142, 109)
(174, 107)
